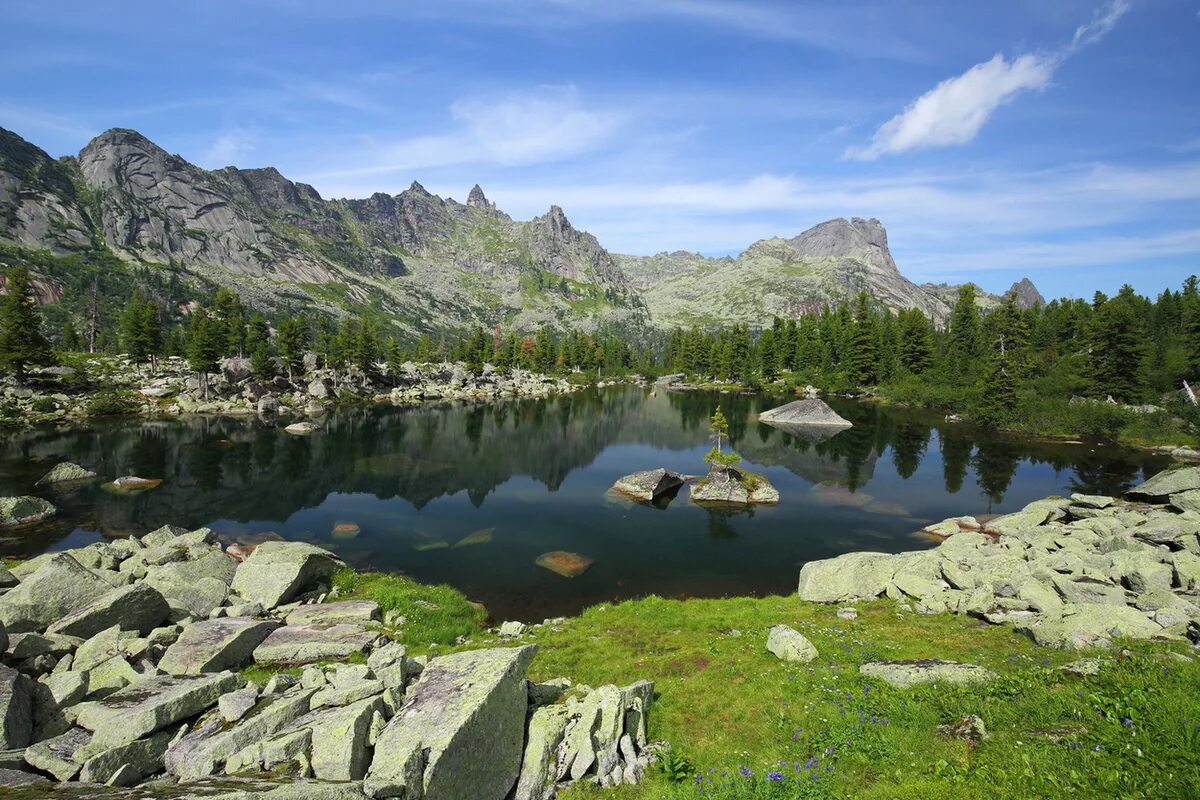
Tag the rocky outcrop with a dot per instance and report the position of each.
(16, 511)
(126, 685)
(1027, 294)
(732, 486)
(649, 485)
(802, 414)
(1071, 572)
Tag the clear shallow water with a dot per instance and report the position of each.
(471, 495)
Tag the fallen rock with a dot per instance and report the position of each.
(460, 731)
(152, 704)
(276, 571)
(790, 645)
(357, 612)
(66, 472)
(59, 586)
(214, 645)
(906, 674)
(136, 607)
(303, 644)
(15, 511)
(649, 485)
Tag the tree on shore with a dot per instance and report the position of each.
(141, 331)
(22, 341)
(206, 342)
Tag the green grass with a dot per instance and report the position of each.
(433, 614)
(723, 702)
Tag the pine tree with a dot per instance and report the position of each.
(22, 342)
(230, 315)
(719, 426)
(861, 361)
(261, 362)
(292, 341)
(70, 337)
(206, 342)
(963, 348)
(395, 358)
(915, 348)
(257, 332)
(1117, 348)
(141, 331)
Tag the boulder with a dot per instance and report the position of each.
(17, 777)
(304, 644)
(152, 704)
(1167, 483)
(339, 748)
(790, 645)
(132, 760)
(906, 674)
(1187, 501)
(460, 731)
(58, 587)
(812, 411)
(24, 510)
(236, 704)
(66, 472)
(851, 576)
(131, 484)
(213, 645)
(356, 612)
(648, 485)
(136, 607)
(721, 485)
(1091, 625)
(566, 564)
(206, 748)
(16, 709)
(57, 755)
(538, 764)
(276, 571)
(301, 428)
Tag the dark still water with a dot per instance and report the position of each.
(471, 495)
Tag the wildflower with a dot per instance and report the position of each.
(775, 776)
(1127, 722)
(1096, 749)
(746, 773)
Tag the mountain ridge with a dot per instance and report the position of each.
(419, 262)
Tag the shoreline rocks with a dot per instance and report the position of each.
(1070, 572)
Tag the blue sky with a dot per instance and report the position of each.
(1059, 140)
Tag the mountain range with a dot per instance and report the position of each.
(415, 260)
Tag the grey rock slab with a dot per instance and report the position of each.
(848, 577)
(16, 709)
(788, 644)
(302, 644)
(906, 674)
(1167, 483)
(1092, 625)
(1187, 501)
(277, 571)
(233, 706)
(136, 607)
(17, 777)
(1082, 589)
(25, 510)
(140, 757)
(57, 755)
(203, 750)
(214, 645)
(340, 750)
(812, 411)
(162, 536)
(648, 485)
(1092, 500)
(66, 472)
(59, 586)
(345, 695)
(460, 731)
(538, 769)
(152, 704)
(358, 612)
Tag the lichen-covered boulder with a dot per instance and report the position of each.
(355, 612)
(545, 733)
(16, 709)
(848, 577)
(213, 645)
(304, 644)
(59, 586)
(790, 645)
(66, 472)
(152, 704)
(136, 607)
(906, 674)
(648, 485)
(276, 571)
(1167, 483)
(460, 731)
(25, 510)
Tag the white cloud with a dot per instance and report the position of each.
(231, 147)
(544, 125)
(953, 111)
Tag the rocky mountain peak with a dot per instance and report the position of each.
(477, 199)
(1027, 294)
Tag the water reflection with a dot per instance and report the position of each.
(534, 472)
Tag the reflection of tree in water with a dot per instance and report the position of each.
(956, 456)
(205, 465)
(296, 457)
(720, 520)
(995, 463)
(1105, 477)
(473, 426)
(908, 445)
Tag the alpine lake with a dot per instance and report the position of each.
(472, 494)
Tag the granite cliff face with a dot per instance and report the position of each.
(428, 263)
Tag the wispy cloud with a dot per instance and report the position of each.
(231, 147)
(954, 111)
(543, 125)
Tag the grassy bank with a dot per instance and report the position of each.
(752, 726)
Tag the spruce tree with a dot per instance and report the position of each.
(206, 342)
(22, 342)
(963, 349)
(1117, 349)
(861, 361)
(915, 347)
(70, 337)
(261, 362)
(292, 341)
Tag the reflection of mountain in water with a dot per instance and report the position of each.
(240, 470)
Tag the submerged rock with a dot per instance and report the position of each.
(566, 564)
(131, 484)
(649, 485)
(25, 510)
(301, 428)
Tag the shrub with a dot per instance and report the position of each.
(111, 403)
